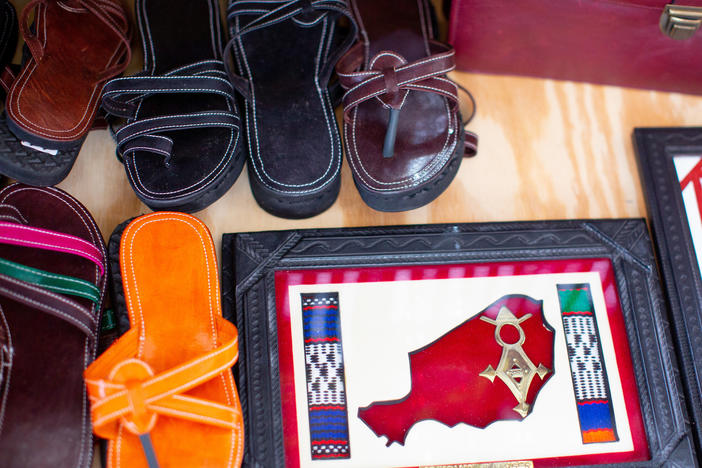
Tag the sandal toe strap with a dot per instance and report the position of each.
(122, 97)
(144, 135)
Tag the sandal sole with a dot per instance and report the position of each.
(419, 196)
(31, 166)
(295, 207)
(205, 197)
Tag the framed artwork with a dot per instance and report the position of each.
(670, 164)
(539, 343)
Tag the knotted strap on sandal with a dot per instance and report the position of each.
(165, 387)
(402, 124)
(125, 389)
(390, 78)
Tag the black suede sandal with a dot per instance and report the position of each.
(402, 124)
(286, 51)
(181, 145)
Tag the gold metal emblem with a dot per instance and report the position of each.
(515, 368)
(680, 22)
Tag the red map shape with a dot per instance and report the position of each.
(446, 382)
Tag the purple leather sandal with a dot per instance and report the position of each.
(52, 287)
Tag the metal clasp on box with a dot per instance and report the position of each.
(681, 22)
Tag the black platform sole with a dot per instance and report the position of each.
(422, 195)
(31, 166)
(194, 202)
(295, 207)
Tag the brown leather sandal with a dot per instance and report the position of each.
(75, 46)
(402, 126)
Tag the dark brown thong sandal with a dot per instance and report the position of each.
(52, 286)
(402, 125)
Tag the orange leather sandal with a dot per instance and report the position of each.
(163, 394)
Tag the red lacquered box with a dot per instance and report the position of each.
(623, 43)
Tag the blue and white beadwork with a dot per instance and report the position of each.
(324, 371)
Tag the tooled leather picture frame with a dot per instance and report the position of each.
(667, 159)
(255, 265)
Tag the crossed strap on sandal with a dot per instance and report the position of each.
(122, 96)
(390, 78)
(304, 12)
(107, 11)
(37, 288)
(25, 291)
(45, 301)
(125, 389)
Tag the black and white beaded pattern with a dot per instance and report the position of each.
(325, 374)
(319, 299)
(585, 358)
(329, 450)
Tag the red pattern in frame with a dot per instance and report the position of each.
(694, 177)
(603, 266)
